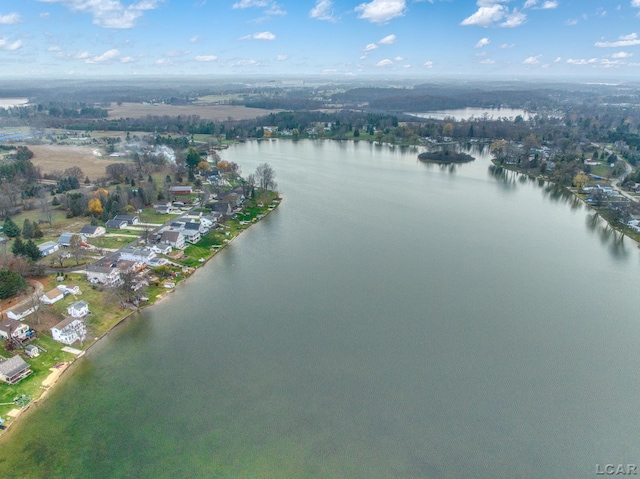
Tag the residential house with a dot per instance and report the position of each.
(116, 224)
(48, 247)
(162, 248)
(127, 266)
(65, 239)
(79, 309)
(91, 231)
(191, 225)
(52, 296)
(131, 220)
(143, 255)
(69, 330)
(191, 236)
(180, 190)
(164, 209)
(13, 329)
(14, 370)
(21, 311)
(174, 238)
(208, 221)
(103, 274)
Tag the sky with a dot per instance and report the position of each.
(515, 39)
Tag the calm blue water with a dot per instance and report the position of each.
(391, 319)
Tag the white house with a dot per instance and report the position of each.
(173, 238)
(79, 309)
(69, 289)
(103, 275)
(65, 238)
(142, 255)
(14, 370)
(192, 236)
(69, 331)
(52, 296)
(93, 231)
(131, 220)
(20, 312)
(161, 248)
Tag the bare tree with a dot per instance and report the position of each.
(265, 176)
(76, 244)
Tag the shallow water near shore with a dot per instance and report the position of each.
(390, 319)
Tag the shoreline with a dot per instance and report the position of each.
(55, 376)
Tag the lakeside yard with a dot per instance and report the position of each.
(104, 314)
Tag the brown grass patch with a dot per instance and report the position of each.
(60, 157)
(206, 112)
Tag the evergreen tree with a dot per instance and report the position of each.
(17, 248)
(10, 228)
(37, 232)
(11, 283)
(31, 251)
(28, 229)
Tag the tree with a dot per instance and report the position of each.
(17, 248)
(192, 159)
(75, 244)
(28, 229)
(95, 207)
(580, 180)
(10, 228)
(265, 176)
(31, 251)
(11, 283)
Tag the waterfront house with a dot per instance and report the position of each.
(191, 236)
(91, 231)
(116, 224)
(103, 274)
(69, 330)
(13, 329)
(162, 248)
(48, 247)
(192, 225)
(21, 311)
(52, 296)
(131, 220)
(174, 238)
(79, 309)
(143, 255)
(14, 370)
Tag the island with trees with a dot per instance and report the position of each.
(445, 157)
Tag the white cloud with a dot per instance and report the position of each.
(163, 62)
(206, 58)
(127, 60)
(323, 11)
(109, 13)
(381, 11)
(53, 49)
(507, 45)
(557, 60)
(9, 19)
(246, 63)
(388, 40)
(582, 61)
(530, 3)
(176, 53)
(485, 16)
(384, 63)
(10, 47)
(623, 41)
(268, 36)
(493, 11)
(282, 58)
(635, 3)
(571, 22)
(194, 39)
(483, 42)
(547, 5)
(532, 60)
(622, 55)
(398, 59)
(428, 64)
(250, 3)
(106, 57)
(487, 61)
(370, 47)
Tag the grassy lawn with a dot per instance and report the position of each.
(112, 242)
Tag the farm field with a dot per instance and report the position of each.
(60, 157)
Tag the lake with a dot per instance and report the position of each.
(11, 102)
(391, 319)
(474, 113)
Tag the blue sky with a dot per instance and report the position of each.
(409, 38)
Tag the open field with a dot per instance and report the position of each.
(207, 112)
(60, 157)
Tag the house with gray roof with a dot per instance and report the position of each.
(174, 238)
(14, 370)
(93, 231)
(21, 311)
(48, 247)
(103, 274)
(116, 224)
(143, 255)
(131, 220)
(13, 329)
(79, 309)
(69, 330)
(65, 238)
